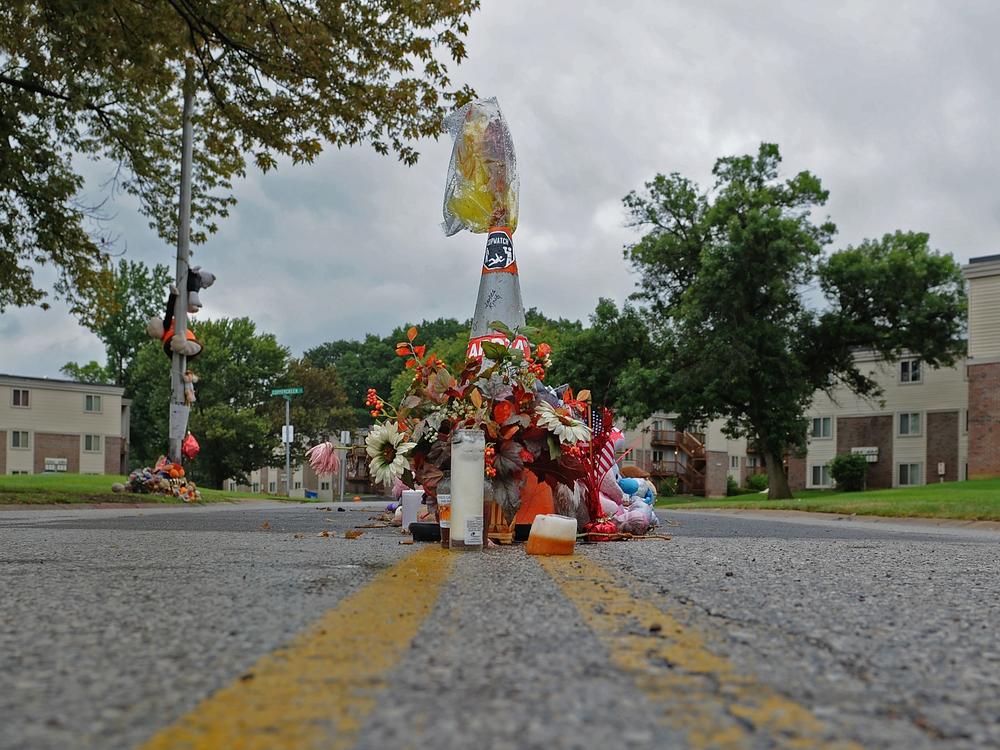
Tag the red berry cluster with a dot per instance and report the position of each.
(490, 456)
(374, 402)
(573, 450)
(537, 370)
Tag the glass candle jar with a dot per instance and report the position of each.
(468, 463)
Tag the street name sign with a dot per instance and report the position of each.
(287, 391)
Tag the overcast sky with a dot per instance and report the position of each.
(892, 104)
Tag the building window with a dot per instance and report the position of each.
(822, 427)
(909, 371)
(92, 403)
(734, 462)
(909, 474)
(255, 487)
(324, 485)
(19, 439)
(20, 471)
(751, 462)
(298, 485)
(92, 443)
(19, 398)
(909, 424)
(272, 487)
(821, 476)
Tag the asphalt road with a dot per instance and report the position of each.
(153, 628)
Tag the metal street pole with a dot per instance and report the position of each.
(178, 363)
(343, 472)
(288, 446)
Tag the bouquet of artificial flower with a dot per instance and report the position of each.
(528, 426)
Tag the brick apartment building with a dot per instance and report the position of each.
(62, 426)
(929, 425)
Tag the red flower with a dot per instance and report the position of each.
(503, 411)
(526, 456)
(543, 350)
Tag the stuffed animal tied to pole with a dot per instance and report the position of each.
(163, 328)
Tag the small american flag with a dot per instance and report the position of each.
(605, 434)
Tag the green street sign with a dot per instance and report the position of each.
(287, 391)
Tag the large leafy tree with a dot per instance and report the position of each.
(372, 362)
(728, 275)
(231, 418)
(273, 79)
(126, 299)
(319, 413)
(594, 357)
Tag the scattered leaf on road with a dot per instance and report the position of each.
(324, 532)
(266, 525)
(352, 534)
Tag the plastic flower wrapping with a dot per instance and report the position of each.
(481, 190)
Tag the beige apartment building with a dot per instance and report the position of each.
(62, 426)
(929, 425)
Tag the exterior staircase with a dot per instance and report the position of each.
(688, 464)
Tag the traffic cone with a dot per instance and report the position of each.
(499, 295)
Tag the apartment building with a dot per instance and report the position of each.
(929, 425)
(62, 426)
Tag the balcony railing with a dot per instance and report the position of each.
(674, 437)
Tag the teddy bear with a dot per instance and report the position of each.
(163, 328)
(189, 380)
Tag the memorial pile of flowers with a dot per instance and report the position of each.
(528, 425)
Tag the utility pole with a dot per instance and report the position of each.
(178, 363)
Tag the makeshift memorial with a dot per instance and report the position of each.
(166, 478)
(526, 426)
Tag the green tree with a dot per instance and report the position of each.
(92, 372)
(319, 413)
(231, 418)
(594, 357)
(372, 362)
(274, 79)
(726, 276)
(128, 296)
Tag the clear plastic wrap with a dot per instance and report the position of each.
(482, 186)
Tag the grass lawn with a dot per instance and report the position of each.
(977, 500)
(44, 489)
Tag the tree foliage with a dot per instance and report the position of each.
(726, 276)
(272, 79)
(232, 415)
(127, 296)
(92, 372)
(319, 413)
(594, 357)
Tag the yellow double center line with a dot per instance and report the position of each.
(318, 690)
(693, 690)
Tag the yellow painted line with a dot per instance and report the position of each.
(695, 691)
(318, 690)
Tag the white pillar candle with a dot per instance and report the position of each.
(467, 467)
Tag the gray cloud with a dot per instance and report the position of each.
(892, 105)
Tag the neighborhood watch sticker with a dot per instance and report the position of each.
(499, 251)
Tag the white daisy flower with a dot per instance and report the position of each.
(568, 429)
(387, 451)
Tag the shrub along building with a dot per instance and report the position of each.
(929, 425)
(62, 426)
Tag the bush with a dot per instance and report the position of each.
(757, 482)
(733, 488)
(667, 487)
(849, 471)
